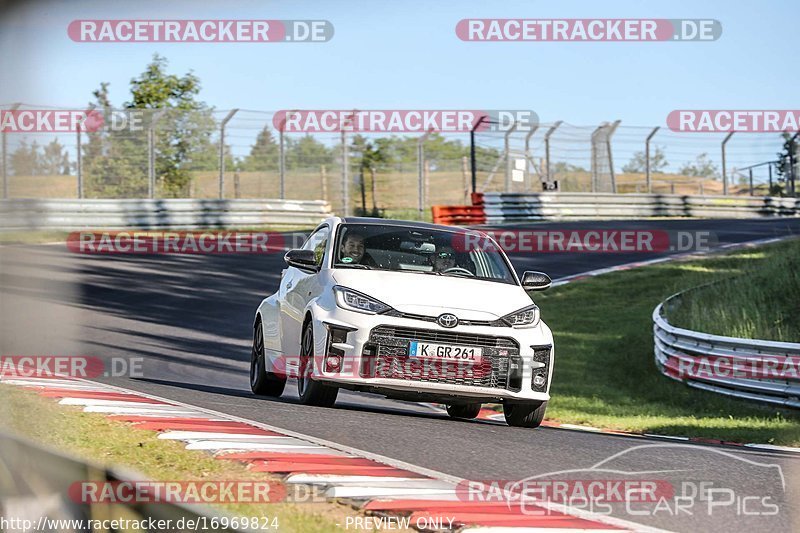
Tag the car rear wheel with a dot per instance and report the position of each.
(312, 392)
(262, 382)
(524, 415)
(464, 410)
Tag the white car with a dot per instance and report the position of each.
(412, 311)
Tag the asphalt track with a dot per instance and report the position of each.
(189, 318)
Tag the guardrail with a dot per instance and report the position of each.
(749, 369)
(57, 214)
(36, 488)
(500, 208)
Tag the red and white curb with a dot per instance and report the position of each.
(372, 484)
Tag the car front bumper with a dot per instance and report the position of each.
(515, 354)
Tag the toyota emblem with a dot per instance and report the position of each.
(447, 320)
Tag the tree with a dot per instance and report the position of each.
(117, 161)
(370, 158)
(114, 162)
(638, 162)
(306, 152)
(183, 134)
(701, 167)
(25, 160)
(264, 154)
(54, 160)
(784, 164)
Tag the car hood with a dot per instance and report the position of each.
(425, 294)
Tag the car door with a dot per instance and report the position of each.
(298, 288)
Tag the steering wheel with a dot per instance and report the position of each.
(458, 270)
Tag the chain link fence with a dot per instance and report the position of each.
(241, 153)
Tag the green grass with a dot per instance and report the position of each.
(605, 374)
(761, 303)
(97, 439)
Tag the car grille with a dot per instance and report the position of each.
(386, 356)
(492, 323)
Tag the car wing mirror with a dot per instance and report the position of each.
(535, 281)
(304, 260)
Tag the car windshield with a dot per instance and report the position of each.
(419, 250)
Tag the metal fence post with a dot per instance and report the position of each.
(5, 166)
(724, 170)
(507, 150)
(528, 158)
(14, 107)
(647, 158)
(222, 152)
(472, 155)
(611, 131)
(793, 162)
(596, 131)
(345, 176)
(769, 191)
(323, 178)
(151, 175)
(547, 147)
(151, 154)
(79, 163)
(421, 172)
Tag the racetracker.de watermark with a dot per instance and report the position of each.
(585, 241)
(588, 30)
(49, 121)
(181, 492)
(88, 121)
(728, 120)
(69, 366)
(200, 31)
(403, 120)
(752, 367)
(182, 242)
(418, 367)
(565, 491)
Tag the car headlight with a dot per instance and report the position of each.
(356, 301)
(526, 317)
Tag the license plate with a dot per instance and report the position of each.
(446, 352)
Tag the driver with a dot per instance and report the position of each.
(352, 250)
(444, 259)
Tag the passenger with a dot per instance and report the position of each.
(443, 259)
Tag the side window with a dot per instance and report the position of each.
(317, 242)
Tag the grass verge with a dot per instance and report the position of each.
(762, 303)
(99, 440)
(605, 374)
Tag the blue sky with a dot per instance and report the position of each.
(406, 54)
(388, 55)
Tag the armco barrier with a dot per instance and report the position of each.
(35, 483)
(759, 370)
(29, 214)
(500, 208)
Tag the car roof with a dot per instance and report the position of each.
(401, 223)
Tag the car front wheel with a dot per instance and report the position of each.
(524, 415)
(312, 392)
(262, 382)
(467, 410)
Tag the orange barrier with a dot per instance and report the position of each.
(458, 215)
